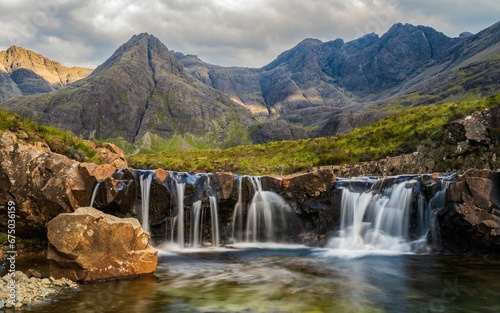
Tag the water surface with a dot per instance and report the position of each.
(295, 279)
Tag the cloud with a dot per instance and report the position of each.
(225, 32)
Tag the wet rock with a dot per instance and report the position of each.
(470, 223)
(225, 182)
(89, 245)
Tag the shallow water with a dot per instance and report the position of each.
(295, 279)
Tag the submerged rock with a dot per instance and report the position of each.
(88, 245)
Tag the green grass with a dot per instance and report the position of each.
(59, 141)
(399, 133)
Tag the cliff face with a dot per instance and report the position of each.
(24, 72)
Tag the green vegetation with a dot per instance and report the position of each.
(63, 142)
(399, 133)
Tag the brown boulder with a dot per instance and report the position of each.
(301, 185)
(470, 223)
(89, 245)
(41, 183)
(112, 154)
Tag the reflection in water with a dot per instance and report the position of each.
(295, 279)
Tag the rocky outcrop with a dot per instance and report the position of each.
(470, 223)
(88, 245)
(43, 184)
(470, 142)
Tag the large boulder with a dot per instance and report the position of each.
(470, 223)
(89, 245)
(44, 184)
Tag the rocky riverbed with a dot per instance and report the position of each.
(23, 289)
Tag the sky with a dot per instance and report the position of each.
(249, 33)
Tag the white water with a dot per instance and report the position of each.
(237, 221)
(179, 219)
(94, 193)
(145, 183)
(196, 238)
(215, 221)
(375, 221)
(266, 216)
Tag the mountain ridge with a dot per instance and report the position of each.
(145, 93)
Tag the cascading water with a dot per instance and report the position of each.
(237, 220)
(215, 221)
(179, 218)
(94, 193)
(145, 180)
(379, 218)
(196, 238)
(266, 216)
(190, 224)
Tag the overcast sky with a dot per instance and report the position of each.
(224, 32)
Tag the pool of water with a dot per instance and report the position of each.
(295, 279)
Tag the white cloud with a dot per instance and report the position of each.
(225, 32)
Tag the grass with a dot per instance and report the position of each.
(59, 141)
(399, 133)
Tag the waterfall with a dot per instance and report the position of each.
(215, 221)
(197, 235)
(94, 193)
(145, 183)
(378, 218)
(179, 218)
(266, 216)
(237, 220)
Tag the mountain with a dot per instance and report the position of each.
(24, 72)
(333, 86)
(145, 93)
(141, 93)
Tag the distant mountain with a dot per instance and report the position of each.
(325, 86)
(24, 72)
(145, 93)
(140, 91)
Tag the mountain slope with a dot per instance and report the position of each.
(140, 91)
(145, 93)
(24, 72)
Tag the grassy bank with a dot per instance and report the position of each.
(400, 133)
(59, 141)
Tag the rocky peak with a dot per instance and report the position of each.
(54, 73)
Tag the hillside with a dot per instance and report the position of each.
(24, 72)
(421, 130)
(148, 98)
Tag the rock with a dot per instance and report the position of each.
(302, 185)
(225, 182)
(112, 154)
(33, 273)
(470, 223)
(32, 290)
(43, 184)
(89, 245)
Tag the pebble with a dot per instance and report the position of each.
(32, 290)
